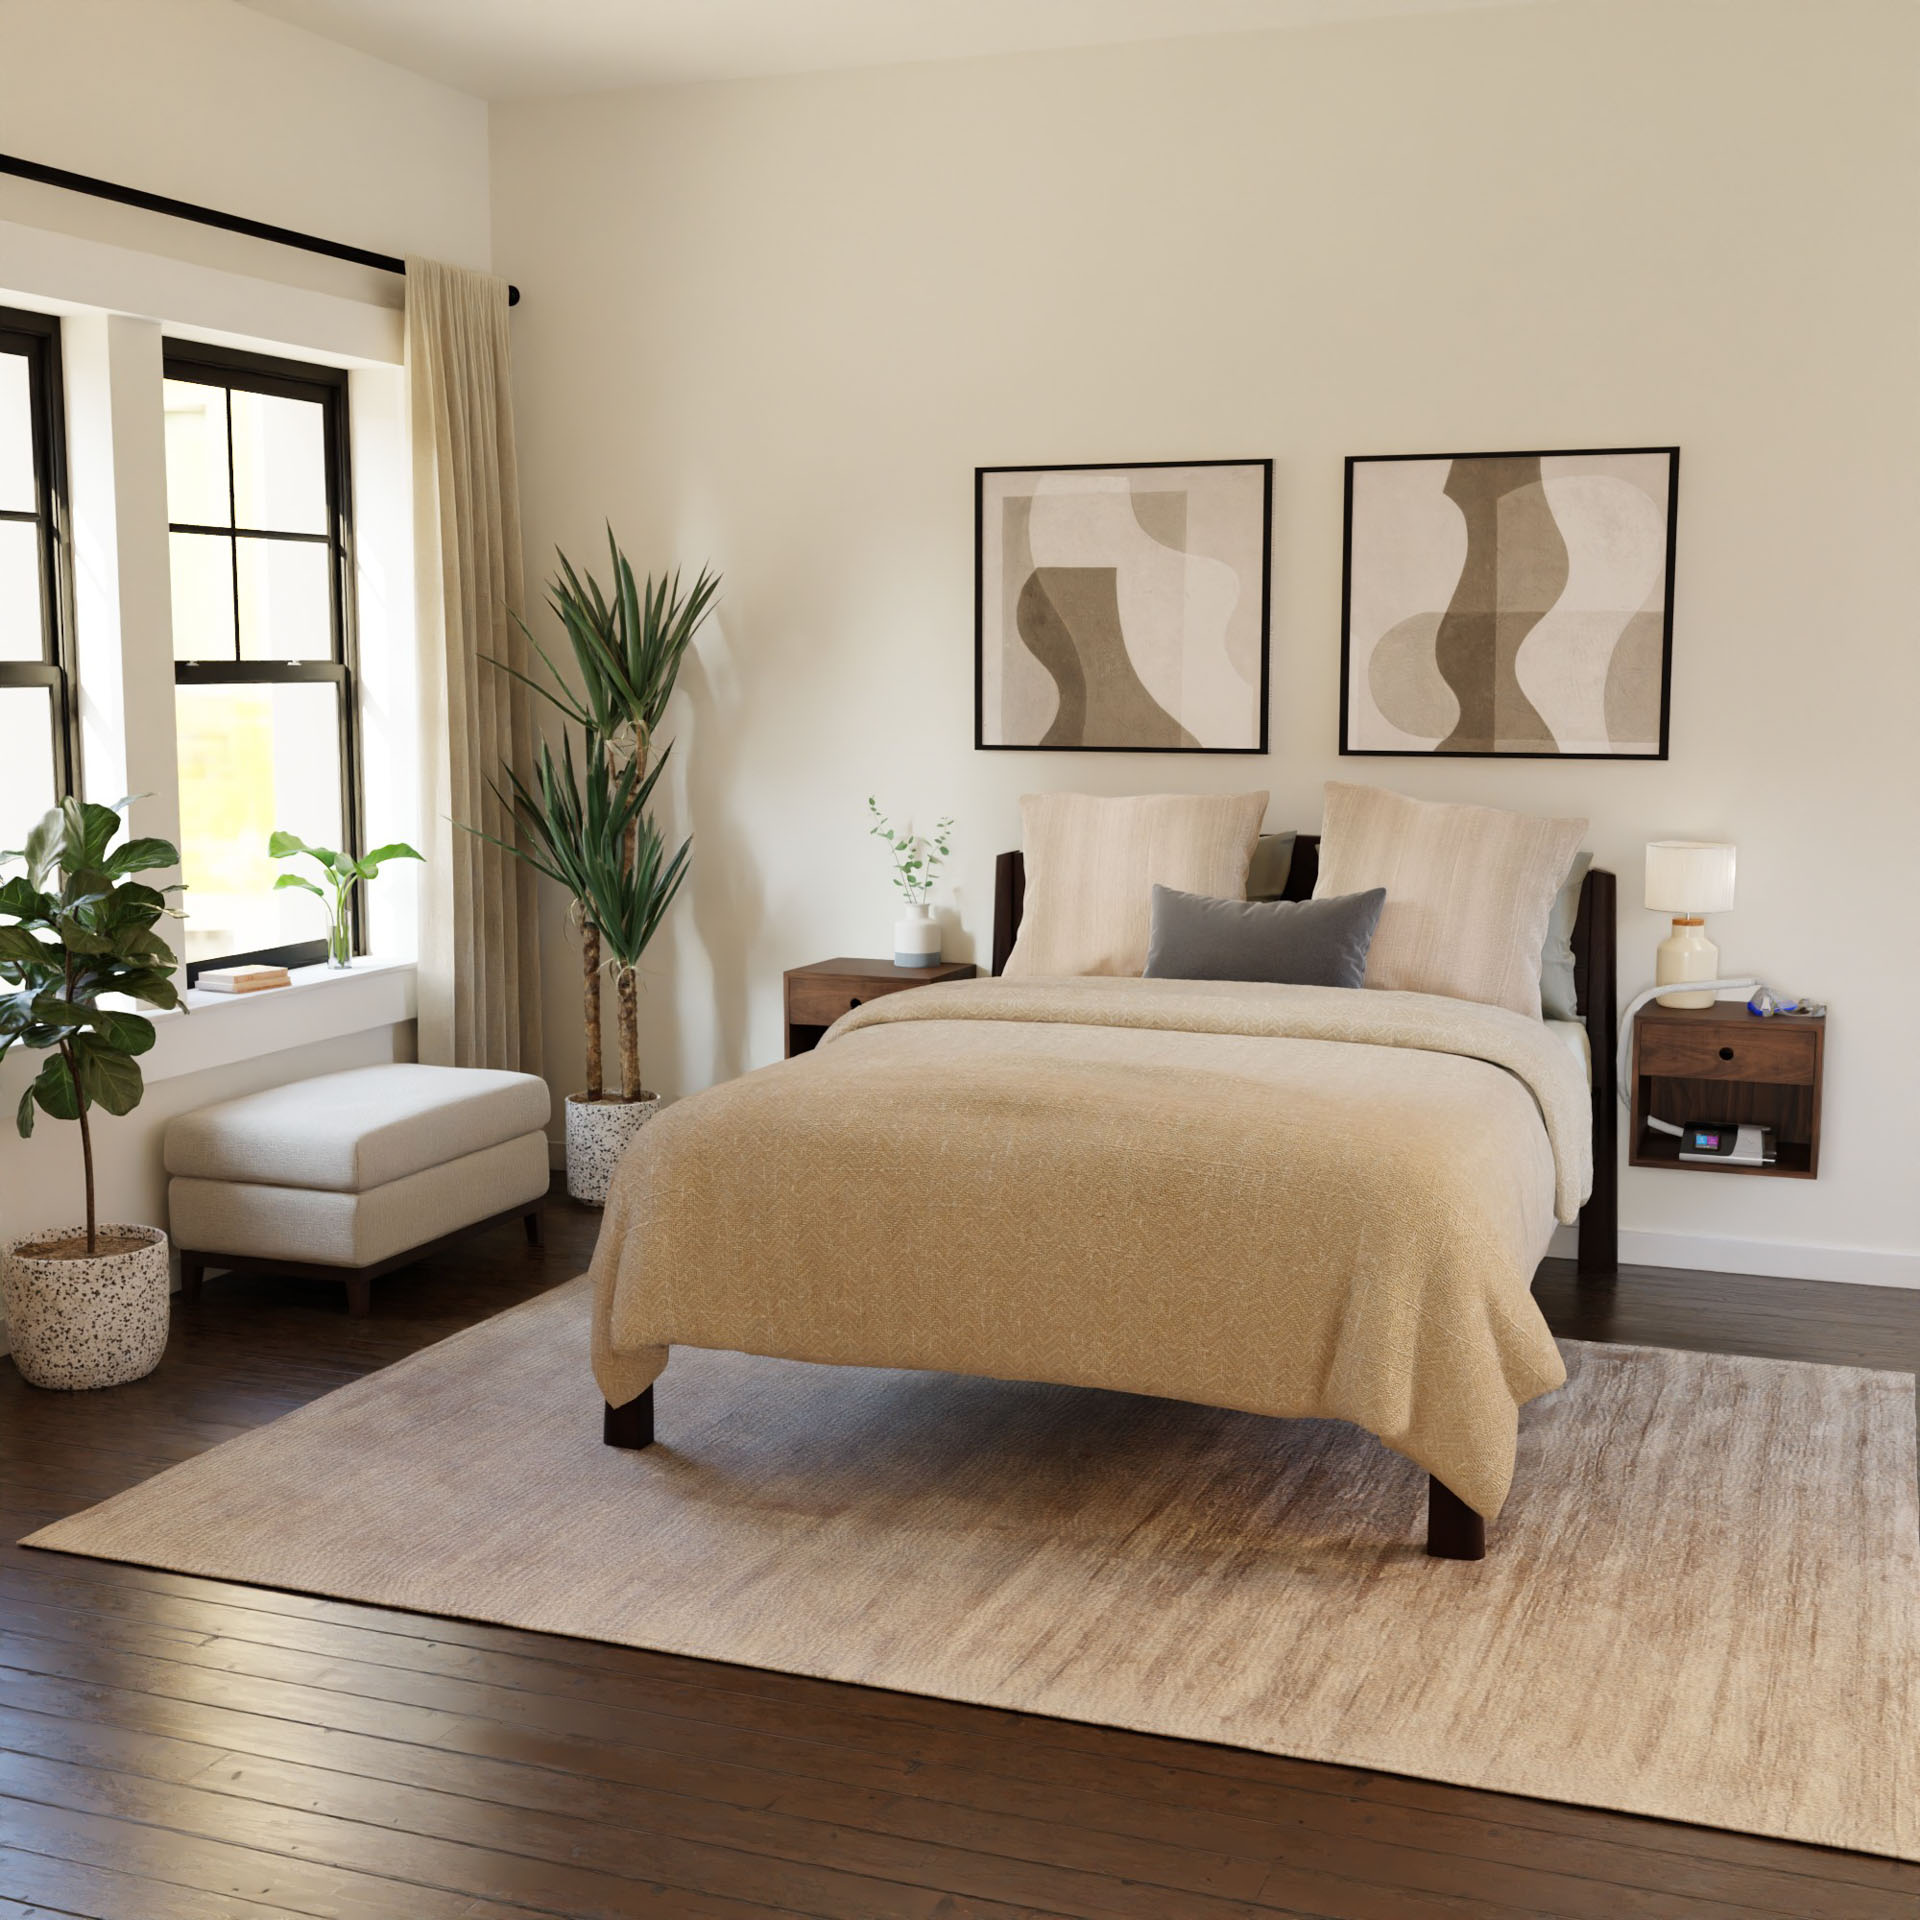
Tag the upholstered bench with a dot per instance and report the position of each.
(353, 1174)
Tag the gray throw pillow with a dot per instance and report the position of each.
(1272, 862)
(1292, 943)
(1557, 998)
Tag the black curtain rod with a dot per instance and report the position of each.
(206, 216)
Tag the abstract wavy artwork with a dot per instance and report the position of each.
(1509, 603)
(1122, 609)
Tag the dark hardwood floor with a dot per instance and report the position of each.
(180, 1749)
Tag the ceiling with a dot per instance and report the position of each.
(501, 49)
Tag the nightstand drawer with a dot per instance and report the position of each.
(1781, 1055)
(818, 1000)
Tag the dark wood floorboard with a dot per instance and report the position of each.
(182, 1749)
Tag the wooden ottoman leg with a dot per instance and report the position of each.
(193, 1270)
(1454, 1530)
(532, 1225)
(359, 1296)
(631, 1425)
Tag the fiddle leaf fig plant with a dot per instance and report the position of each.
(342, 873)
(74, 928)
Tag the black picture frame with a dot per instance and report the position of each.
(980, 478)
(1354, 461)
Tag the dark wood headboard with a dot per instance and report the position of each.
(1594, 985)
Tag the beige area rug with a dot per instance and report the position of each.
(1700, 1603)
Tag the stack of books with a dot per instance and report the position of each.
(243, 979)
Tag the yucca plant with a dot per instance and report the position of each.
(627, 647)
(586, 827)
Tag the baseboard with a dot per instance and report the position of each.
(1767, 1259)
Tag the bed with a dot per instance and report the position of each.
(1296, 1201)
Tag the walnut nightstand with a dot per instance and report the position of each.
(1721, 1063)
(818, 995)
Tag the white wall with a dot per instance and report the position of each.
(775, 324)
(208, 101)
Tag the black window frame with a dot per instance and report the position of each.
(230, 367)
(36, 338)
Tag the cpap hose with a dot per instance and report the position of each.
(1638, 1001)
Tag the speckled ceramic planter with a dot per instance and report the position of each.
(598, 1133)
(87, 1323)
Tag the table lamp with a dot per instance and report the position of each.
(1688, 879)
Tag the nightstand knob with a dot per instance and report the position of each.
(1726, 1053)
(855, 1001)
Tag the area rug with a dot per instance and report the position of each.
(1700, 1602)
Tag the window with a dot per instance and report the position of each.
(257, 501)
(37, 759)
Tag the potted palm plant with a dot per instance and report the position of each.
(627, 646)
(86, 1306)
(586, 827)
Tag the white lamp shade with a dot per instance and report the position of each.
(1689, 876)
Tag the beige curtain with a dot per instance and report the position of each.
(479, 934)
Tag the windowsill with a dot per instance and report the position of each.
(218, 1029)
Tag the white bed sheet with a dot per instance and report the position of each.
(1572, 1034)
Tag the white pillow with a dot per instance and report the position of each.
(1093, 863)
(1469, 891)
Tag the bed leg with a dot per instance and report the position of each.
(1454, 1530)
(631, 1425)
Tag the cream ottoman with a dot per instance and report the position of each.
(353, 1174)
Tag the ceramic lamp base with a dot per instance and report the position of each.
(1686, 954)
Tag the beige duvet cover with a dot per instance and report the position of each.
(1290, 1200)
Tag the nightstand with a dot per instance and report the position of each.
(1721, 1063)
(818, 995)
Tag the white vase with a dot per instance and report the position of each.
(77, 1321)
(916, 939)
(598, 1133)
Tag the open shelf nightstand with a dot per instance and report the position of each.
(1721, 1063)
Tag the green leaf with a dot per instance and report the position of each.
(282, 845)
(43, 845)
(150, 984)
(128, 1032)
(50, 1010)
(300, 881)
(87, 830)
(108, 1077)
(53, 1088)
(79, 937)
(23, 900)
(23, 1116)
(18, 947)
(139, 855)
(369, 864)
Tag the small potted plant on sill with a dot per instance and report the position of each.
(86, 1306)
(342, 873)
(916, 865)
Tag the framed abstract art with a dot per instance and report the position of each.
(1123, 609)
(1509, 604)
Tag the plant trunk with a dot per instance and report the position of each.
(627, 988)
(86, 1153)
(590, 983)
